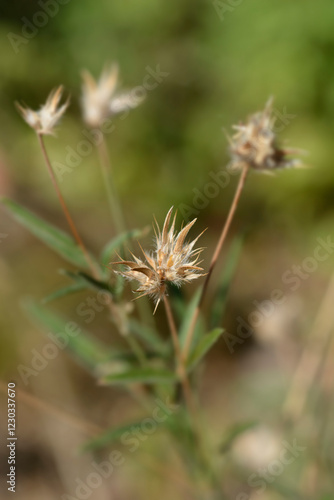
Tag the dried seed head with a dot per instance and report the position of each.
(100, 100)
(45, 120)
(173, 261)
(255, 144)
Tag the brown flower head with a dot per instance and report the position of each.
(173, 261)
(100, 100)
(45, 120)
(255, 144)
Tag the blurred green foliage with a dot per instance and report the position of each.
(222, 66)
(219, 71)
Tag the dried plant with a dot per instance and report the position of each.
(45, 120)
(149, 361)
(255, 144)
(173, 261)
(100, 99)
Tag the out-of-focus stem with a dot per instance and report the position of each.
(214, 259)
(181, 368)
(188, 396)
(114, 203)
(121, 323)
(116, 210)
(312, 358)
(62, 202)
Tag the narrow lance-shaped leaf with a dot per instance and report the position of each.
(89, 352)
(178, 301)
(87, 281)
(116, 243)
(140, 376)
(188, 315)
(53, 237)
(149, 337)
(203, 347)
(110, 436)
(63, 292)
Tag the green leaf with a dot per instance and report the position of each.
(116, 243)
(63, 292)
(203, 346)
(149, 337)
(53, 237)
(110, 436)
(89, 352)
(177, 300)
(233, 432)
(87, 281)
(139, 375)
(219, 303)
(188, 315)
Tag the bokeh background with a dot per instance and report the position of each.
(224, 60)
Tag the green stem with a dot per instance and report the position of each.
(136, 348)
(194, 415)
(113, 200)
(117, 213)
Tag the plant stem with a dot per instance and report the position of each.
(117, 212)
(189, 400)
(181, 369)
(122, 326)
(65, 209)
(312, 358)
(214, 259)
(134, 345)
(114, 203)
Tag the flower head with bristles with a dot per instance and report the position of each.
(100, 100)
(255, 144)
(173, 261)
(45, 120)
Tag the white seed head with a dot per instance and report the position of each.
(255, 144)
(100, 100)
(173, 261)
(48, 116)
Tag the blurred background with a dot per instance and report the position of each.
(217, 62)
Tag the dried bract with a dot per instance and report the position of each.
(100, 100)
(45, 120)
(173, 261)
(255, 144)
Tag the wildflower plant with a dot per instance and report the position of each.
(155, 365)
(101, 99)
(173, 261)
(254, 144)
(47, 117)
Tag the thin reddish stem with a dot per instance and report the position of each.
(65, 209)
(214, 259)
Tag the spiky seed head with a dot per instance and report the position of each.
(47, 117)
(173, 261)
(100, 99)
(255, 144)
